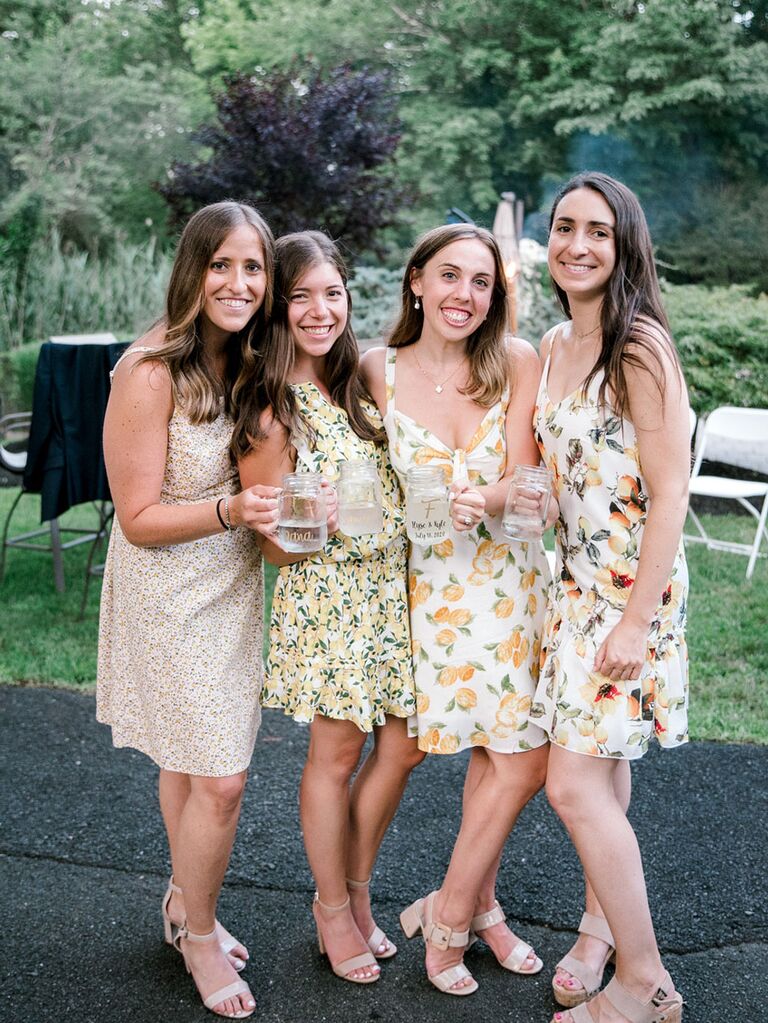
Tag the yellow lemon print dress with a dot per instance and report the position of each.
(339, 637)
(477, 603)
(603, 508)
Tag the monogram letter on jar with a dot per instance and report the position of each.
(426, 505)
(302, 524)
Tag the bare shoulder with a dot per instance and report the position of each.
(524, 362)
(650, 349)
(373, 371)
(137, 372)
(545, 346)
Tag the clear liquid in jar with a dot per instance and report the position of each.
(302, 536)
(358, 518)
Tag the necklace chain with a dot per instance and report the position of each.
(438, 386)
(581, 337)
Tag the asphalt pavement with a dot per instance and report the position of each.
(83, 866)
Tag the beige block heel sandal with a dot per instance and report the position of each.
(170, 929)
(590, 980)
(345, 966)
(418, 916)
(519, 954)
(377, 937)
(661, 1007)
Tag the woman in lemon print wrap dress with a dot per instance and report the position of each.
(477, 601)
(613, 426)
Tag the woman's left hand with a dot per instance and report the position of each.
(467, 507)
(623, 652)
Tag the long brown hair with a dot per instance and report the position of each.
(263, 383)
(632, 318)
(195, 387)
(486, 355)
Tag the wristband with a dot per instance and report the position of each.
(218, 515)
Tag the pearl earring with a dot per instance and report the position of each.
(417, 304)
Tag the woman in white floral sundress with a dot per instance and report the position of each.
(339, 638)
(612, 425)
(455, 395)
(180, 632)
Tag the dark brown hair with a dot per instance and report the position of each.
(488, 361)
(632, 318)
(263, 384)
(195, 388)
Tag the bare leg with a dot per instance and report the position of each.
(375, 797)
(507, 783)
(582, 791)
(586, 948)
(334, 751)
(174, 790)
(204, 835)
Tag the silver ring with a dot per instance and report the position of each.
(467, 520)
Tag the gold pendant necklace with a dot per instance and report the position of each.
(580, 337)
(438, 387)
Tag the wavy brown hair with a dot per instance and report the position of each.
(632, 318)
(487, 357)
(264, 382)
(196, 388)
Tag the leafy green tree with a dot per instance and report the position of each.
(311, 150)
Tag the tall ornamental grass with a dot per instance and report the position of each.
(76, 293)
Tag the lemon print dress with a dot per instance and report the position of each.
(477, 602)
(604, 504)
(339, 636)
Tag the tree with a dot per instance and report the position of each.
(310, 149)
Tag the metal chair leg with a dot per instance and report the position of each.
(7, 526)
(58, 560)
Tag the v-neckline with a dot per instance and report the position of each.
(439, 440)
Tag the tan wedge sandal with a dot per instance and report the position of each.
(519, 954)
(226, 940)
(346, 966)
(661, 1007)
(417, 917)
(230, 991)
(590, 980)
(377, 937)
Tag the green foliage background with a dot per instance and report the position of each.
(98, 99)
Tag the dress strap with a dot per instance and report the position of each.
(389, 379)
(130, 351)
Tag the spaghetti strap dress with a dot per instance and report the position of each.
(180, 629)
(339, 640)
(477, 602)
(604, 505)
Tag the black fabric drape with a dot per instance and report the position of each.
(65, 462)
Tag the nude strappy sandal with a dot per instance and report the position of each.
(377, 937)
(230, 991)
(418, 916)
(519, 954)
(170, 930)
(590, 980)
(346, 966)
(661, 1007)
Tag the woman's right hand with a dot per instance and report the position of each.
(257, 508)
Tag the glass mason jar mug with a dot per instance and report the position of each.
(525, 510)
(302, 524)
(360, 500)
(426, 505)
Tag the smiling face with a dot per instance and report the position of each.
(455, 288)
(317, 312)
(582, 248)
(234, 284)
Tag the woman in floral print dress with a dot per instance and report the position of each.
(339, 637)
(456, 396)
(612, 425)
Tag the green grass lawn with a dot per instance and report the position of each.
(42, 641)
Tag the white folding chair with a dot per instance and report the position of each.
(738, 437)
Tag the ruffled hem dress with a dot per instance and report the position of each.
(604, 505)
(180, 629)
(339, 633)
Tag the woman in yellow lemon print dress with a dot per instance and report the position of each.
(339, 655)
(454, 394)
(612, 425)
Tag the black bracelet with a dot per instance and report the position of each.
(218, 515)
